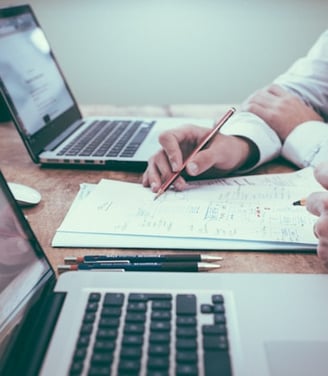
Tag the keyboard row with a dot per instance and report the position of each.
(152, 334)
(108, 138)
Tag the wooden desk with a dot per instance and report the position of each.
(59, 187)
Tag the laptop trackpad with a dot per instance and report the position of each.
(301, 358)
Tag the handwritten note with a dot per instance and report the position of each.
(251, 212)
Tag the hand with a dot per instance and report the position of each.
(281, 110)
(224, 154)
(317, 203)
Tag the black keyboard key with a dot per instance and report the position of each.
(135, 317)
(186, 332)
(187, 369)
(109, 322)
(138, 328)
(132, 340)
(206, 308)
(161, 315)
(160, 326)
(186, 304)
(159, 337)
(131, 352)
(161, 305)
(99, 371)
(101, 358)
(111, 312)
(217, 299)
(186, 357)
(113, 299)
(215, 342)
(214, 329)
(186, 344)
(159, 350)
(137, 307)
(219, 318)
(104, 345)
(157, 363)
(217, 363)
(129, 366)
(106, 333)
(186, 321)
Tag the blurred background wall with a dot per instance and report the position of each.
(176, 51)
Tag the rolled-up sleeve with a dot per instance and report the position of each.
(307, 145)
(250, 126)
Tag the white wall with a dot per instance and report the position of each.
(176, 51)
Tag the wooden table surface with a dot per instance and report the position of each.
(58, 188)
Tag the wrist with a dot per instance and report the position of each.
(250, 153)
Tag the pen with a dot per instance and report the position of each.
(143, 258)
(301, 202)
(203, 143)
(144, 267)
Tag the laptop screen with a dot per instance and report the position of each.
(29, 73)
(31, 82)
(23, 266)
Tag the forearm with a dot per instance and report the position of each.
(264, 144)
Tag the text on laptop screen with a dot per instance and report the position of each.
(20, 267)
(30, 75)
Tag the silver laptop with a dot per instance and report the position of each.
(46, 114)
(115, 323)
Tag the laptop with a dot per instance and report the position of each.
(146, 323)
(47, 115)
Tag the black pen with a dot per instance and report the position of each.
(144, 267)
(143, 258)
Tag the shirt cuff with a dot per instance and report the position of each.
(307, 144)
(250, 126)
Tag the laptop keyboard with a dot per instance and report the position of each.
(108, 139)
(152, 334)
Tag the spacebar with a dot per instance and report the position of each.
(217, 363)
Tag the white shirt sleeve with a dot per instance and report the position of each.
(307, 145)
(308, 77)
(250, 126)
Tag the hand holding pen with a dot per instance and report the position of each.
(220, 155)
(204, 142)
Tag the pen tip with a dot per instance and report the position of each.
(301, 202)
(159, 193)
(205, 266)
(211, 258)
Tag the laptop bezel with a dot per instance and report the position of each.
(38, 142)
(22, 351)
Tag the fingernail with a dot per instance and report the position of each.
(192, 168)
(153, 187)
(174, 166)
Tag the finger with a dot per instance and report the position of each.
(277, 90)
(158, 167)
(321, 231)
(158, 171)
(223, 153)
(321, 174)
(317, 203)
(174, 143)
